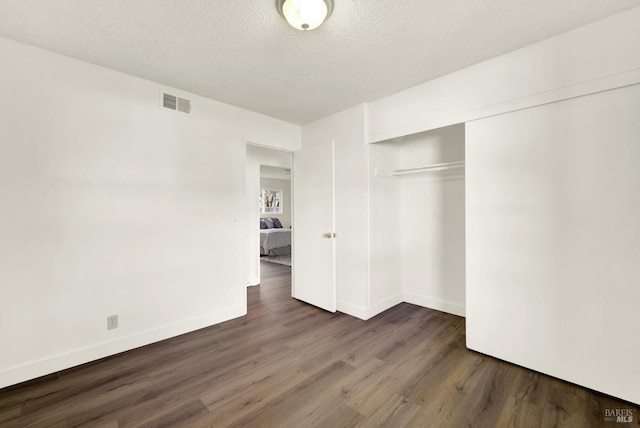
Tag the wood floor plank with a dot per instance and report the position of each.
(335, 395)
(440, 410)
(261, 373)
(343, 416)
(81, 409)
(300, 401)
(396, 412)
(104, 421)
(383, 385)
(10, 411)
(185, 415)
(486, 401)
(520, 414)
(257, 397)
(287, 363)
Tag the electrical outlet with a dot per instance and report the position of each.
(112, 322)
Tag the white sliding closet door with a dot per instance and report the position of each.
(553, 259)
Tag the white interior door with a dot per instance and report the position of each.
(314, 273)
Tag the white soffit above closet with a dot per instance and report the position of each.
(245, 54)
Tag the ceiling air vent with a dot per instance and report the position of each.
(176, 103)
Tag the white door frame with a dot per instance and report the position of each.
(250, 226)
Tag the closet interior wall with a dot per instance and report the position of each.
(418, 220)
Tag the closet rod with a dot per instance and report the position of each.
(427, 168)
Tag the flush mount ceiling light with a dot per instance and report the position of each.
(305, 14)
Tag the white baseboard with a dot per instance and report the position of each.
(383, 305)
(353, 310)
(437, 304)
(366, 313)
(55, 363)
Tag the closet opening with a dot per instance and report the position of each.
(418, 218)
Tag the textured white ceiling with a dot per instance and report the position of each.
(243, 52)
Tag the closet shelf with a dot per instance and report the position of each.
(401, 172)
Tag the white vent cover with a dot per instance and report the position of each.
(173, 102)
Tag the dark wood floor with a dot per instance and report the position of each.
(292, 365)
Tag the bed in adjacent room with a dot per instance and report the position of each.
(275, 240)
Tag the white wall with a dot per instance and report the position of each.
(432, 221)
(112, 205)
(347, 130)
(385, 239)
(553, 258)
(285, 186)
(256, 156)
(589, 59)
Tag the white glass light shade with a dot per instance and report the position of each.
(305, 14)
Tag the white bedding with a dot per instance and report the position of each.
(273, 239)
